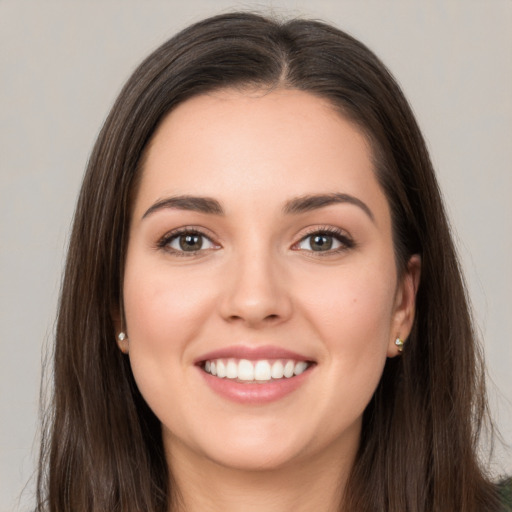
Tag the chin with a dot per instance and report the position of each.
(242, 446)
(253, 457)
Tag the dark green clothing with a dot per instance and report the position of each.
(506, 495)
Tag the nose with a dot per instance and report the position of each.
(256, 292)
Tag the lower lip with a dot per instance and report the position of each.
(254, 392)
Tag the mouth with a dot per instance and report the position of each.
(255, 371)
(254, 375)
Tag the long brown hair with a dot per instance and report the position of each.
(102, 448)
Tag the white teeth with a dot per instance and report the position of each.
(288, 369)
(245, 370)
(261, 371)
(299, 367)
(221, 369)
(277, 370)
(231, 369)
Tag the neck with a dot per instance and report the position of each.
(299, 486)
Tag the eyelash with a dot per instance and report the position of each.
(168, 238)
(336, 233)
(339, 235)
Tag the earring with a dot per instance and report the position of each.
(399, 342)
(123, 346)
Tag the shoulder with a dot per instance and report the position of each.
(505, 489)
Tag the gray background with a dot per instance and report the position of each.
(63, 63)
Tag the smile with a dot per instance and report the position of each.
(255, 375)
(263, 370)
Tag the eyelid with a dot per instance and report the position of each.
(342, 236)
(164, 241)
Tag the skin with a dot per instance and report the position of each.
(256, 282)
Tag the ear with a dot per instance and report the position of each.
(405, 304)
(121, 336)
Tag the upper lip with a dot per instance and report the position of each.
(253, 353)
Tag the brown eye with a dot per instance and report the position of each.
(321, 242)
(187, 242)
(190, 242)
(325, 241)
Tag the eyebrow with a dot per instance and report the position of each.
(313, 202)
(191, 203)
(296, 205)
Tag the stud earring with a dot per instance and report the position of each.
(123, 342)
(399, 342)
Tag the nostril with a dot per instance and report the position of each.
(265, 319)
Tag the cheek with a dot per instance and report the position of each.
(164, 305)
(165, 311)
(352, 304)
(352, 314)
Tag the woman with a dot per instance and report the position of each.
(262, 307)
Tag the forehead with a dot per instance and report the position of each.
(247, 145)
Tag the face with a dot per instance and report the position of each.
(260, 250)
